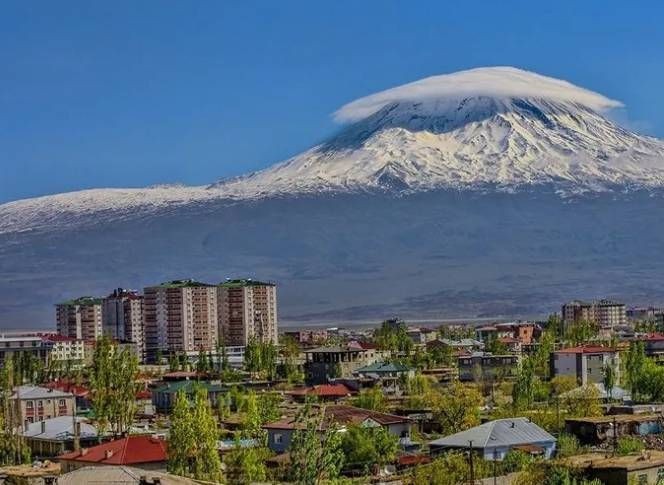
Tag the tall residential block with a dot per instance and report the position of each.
(604, 313)
(247, 310)
(179, 316)
(122, 317)
(80, 318)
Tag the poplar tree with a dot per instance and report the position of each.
(192, 444)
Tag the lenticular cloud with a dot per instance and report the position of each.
(494, 82)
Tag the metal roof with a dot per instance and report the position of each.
(36, 392)
(501, 432)
(59, 429)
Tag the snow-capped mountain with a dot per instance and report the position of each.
(447, 196)
(498, 127)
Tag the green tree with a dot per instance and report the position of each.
(290, 353)
(260, 358)
(365, 446)
(581, 332)
(609, 379)
(247, 465)
(524, 385)
(372, 399)
(458, 408)
(634, 365)
(393, 335)
(113, 386)
(315, 455)
(193, 439)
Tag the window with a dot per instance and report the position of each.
(278, 438)
(29, 404)
(61, 402)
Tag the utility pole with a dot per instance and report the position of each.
(615, 435)
(470, 460)
(495, 478)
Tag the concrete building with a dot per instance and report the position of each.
(604, 313)
(65, 349)
(325, 363)
(80, 318)
(645, 468)
(483, 365)
(31, 404)
(13, 345)
(180, 316)
(247, 310)
(585, 363)
(122, 316)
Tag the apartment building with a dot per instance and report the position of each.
(605, 313)
(13, 345)
(585, 363)
(247, 310)
(179, 316)
(80, 318)
(122, 316)
(65, 349)
(30, 404)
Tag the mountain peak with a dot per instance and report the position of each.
(498, 83)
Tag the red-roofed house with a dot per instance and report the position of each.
(140, 451)
(324, 392)
(585, 363)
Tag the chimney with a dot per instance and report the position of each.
(77, 435)
(108, 454)
(84, 451)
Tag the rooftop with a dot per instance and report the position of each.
(119, 475)
(132, 449)
(324, 390)
(383, 367)
(189, 283)
(343, 415)
(500, 432)
(636, 461)
(586, 349)
(35, 392)
(82, 301)
(238, 283)
(60, 428)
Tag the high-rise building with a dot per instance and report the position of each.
(80, 318)
(179, 316)
(122, 317)
(604, 313)
(247, 310)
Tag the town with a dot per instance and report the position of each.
(192, 382)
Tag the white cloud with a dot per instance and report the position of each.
(495, 82)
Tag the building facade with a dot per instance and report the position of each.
(585, 363)
(31, 404)
(122, 315)
(12, 346)
(180, 316)
(80, 318)
(247, 310)
(65, 349)
(604, 313)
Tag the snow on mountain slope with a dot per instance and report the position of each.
(490, 127)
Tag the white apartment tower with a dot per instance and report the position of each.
(80, 318)
(122, 317)
(180, 316)
(247, 310)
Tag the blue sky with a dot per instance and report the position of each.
(128, 94)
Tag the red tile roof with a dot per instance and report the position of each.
(66, 386)
(325, 390)
(53, 337)
(411, 460)
(144, 394)
(126, 451)
(586, 349)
